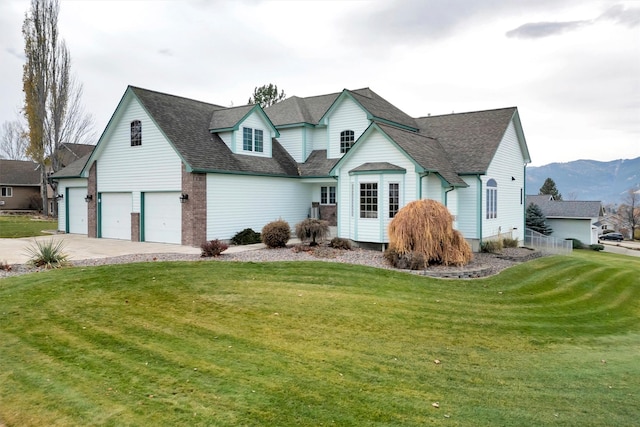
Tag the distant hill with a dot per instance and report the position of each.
(588, 179)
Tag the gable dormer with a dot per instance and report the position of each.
(245, 130)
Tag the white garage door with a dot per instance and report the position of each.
(77, 211)
(115, 215)
(162, 217)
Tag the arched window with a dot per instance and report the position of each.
(492, 199)
(346, 140)
(136, 133)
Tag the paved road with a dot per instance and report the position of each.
(624, 248)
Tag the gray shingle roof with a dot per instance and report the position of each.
(427, 152)
(300, 110)
(229, 117)
(380, 108)
(186, 123)
(74, 170)
(566, 208)
(69, 153)
(19, 173)
(317, 164)
(471, 139)
(377, 166)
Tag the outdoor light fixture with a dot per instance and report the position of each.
(60, 196)
(513, 178)
(184, 197)
(88, 198)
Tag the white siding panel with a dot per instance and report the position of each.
(572, 229)
(467, 217)
(238, 202)
(293, 141)
(507, 168)
(63, 185)
(152, 166)
(432, 188)
(317, 139)
(347, 116)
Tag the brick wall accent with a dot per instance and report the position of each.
(329, 213)
(194, 210)
(92, 205)
(135, 226)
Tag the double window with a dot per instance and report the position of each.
(328, 195)
(252, 140)
(346, 140)
(6, 191)
(492, 199)
(136, 133)
(369, 200)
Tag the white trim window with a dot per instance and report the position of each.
(328, 195)
(252, 139)
(6, 192)
(347, 138)
(136, 133)
(492, 199)
(394, 199)
(369, 200)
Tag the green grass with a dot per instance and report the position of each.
(312, 343)
(14, 226)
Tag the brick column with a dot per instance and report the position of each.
(194, 210)
(135, 226)
(92, 205)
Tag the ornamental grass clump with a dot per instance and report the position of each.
(423, 231)
(312, 229)
(276, 234)
(47, 254)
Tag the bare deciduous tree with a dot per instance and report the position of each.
(13, 141)
(630, 209)
(52, 104)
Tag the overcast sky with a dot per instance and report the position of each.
(572, 67)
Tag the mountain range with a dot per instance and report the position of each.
(588, 179)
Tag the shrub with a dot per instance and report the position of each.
(491, 246)
(213, 248)
(426, 227)
(48, 254)
(340, 243)
(5, 266)
(246, 237)
(577, 244)
(508, 242)
(276, 234)
(596, 247)
(405, 261)
(312, 229)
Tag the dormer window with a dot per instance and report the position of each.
(136, 133)
(346, 140)
(253, 140)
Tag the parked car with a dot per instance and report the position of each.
(612, 236)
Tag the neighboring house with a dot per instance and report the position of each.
(65, 155)
(171, 169)
(19, 185)
(571, 219)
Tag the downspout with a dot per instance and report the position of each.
(422, 175)
(524, 203)
(445, 195)
(479, 210)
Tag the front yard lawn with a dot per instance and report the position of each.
(14, 226)
(553, 341)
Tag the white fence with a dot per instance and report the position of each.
(547, 244)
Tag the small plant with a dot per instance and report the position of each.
(406, 261)
(246, 237)
(5, 266)
(276, 234)
(596, 247)
(312, 229)
(47, 254)
(508, 242)
(213, 248)
(491, 246)
(340, 243)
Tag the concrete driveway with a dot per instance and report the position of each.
(14, 251)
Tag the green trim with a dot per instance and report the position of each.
(234, 142)
(380, 172)
(304, 144)
(480, 212)
(296, 125)
(66, 210)
(142, 215)
(99, 214)
(391, 123)
(236, 127)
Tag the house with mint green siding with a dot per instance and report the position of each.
(176, 170)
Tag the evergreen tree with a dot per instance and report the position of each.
(536, 220)
(266, 95)
(549, 187)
